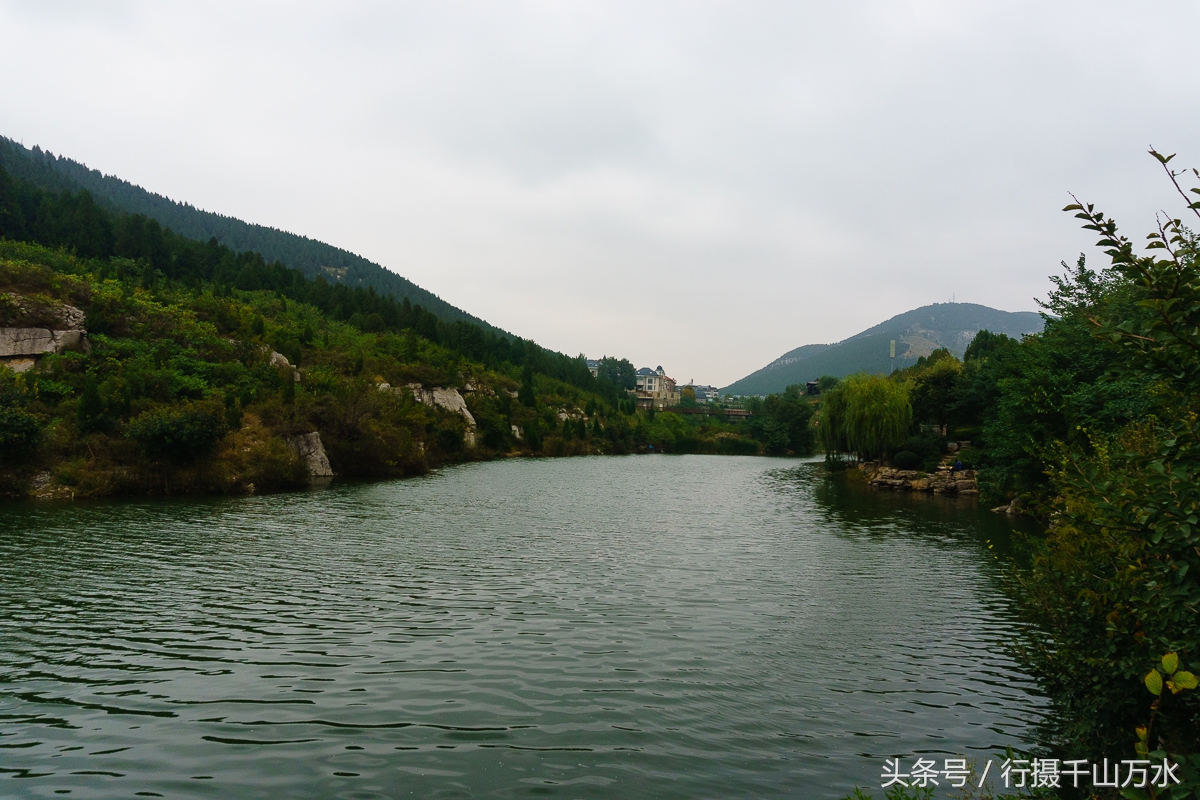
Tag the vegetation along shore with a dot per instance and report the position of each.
(1093, 428)
(135, 360)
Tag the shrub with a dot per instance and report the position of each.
(906, 459)
(926, 445)
(179, 435)
(19, 432)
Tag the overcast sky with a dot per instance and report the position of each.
(699, 185)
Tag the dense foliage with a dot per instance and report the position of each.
(203, 362)
(1113, 586)
(783, 422)
(58, 174)
(190, 386)
(135, 247)
(865, 414)
(1093, 426)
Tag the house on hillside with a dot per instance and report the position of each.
(593, 367)
(655, 389)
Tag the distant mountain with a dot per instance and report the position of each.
(314, 258)
(917, 333)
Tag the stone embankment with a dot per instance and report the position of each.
(946, 480)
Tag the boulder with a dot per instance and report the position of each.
(309, 447)
(944, 481)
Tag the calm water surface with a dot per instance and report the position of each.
(594, 627)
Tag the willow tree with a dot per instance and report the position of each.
(865, 414)
(831, 428)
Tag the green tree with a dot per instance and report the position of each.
(617, 371)
(934, 392)
(179, 435)
(826, 382)
(20, 431)
(233, 412)
(865, 414)
(525, 394)
(90, 415)
(782, 422)
(1114, 582)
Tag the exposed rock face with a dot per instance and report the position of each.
(441, 397)
(61, 329)
(15, 342)
(19, 365)
(308, 446)
(25, 312)
(448, 399)
(944, 481)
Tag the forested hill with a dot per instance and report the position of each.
(313, 258)
(917, 333)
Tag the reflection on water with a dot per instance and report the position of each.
(597, 627)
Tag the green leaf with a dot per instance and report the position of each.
(1186, 680)
(1154, 682)
(1170, 663)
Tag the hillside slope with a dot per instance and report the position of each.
(58, 174)
(917, 333)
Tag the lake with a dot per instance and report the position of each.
(646, 626)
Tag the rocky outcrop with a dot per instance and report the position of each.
(308, 446)
(945, 481)
(441, 397)
(21, 347)
(40, 341)
(1012, 509)
(19, 311)
(279, 361)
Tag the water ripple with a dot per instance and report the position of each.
(634, 627)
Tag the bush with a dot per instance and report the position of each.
(178, 435)
(907, 459)
(925, 446)
(19, 432)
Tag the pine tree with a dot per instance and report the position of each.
(91, 407)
